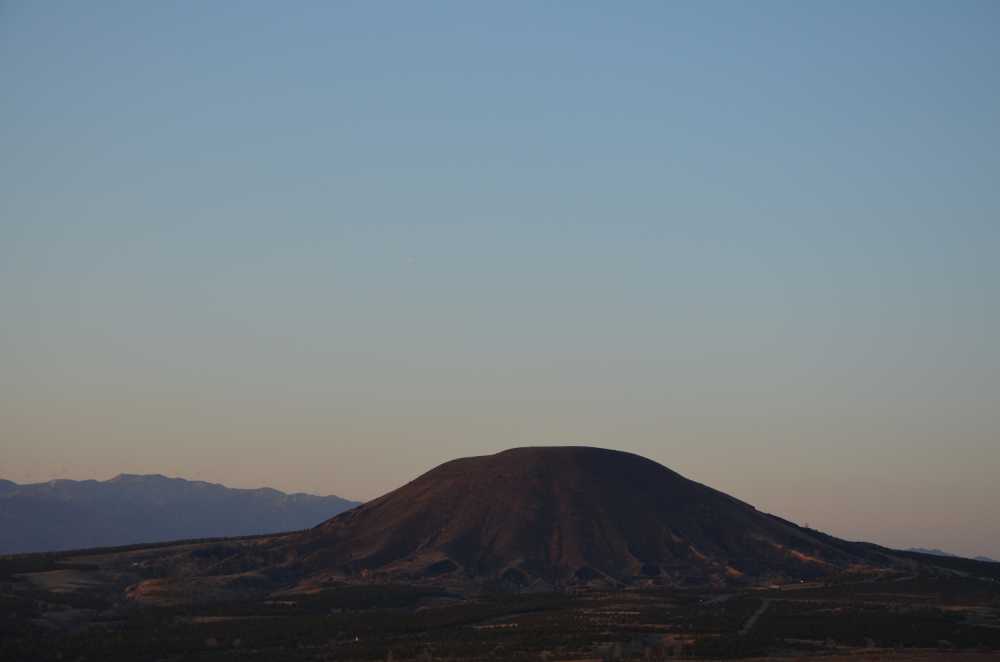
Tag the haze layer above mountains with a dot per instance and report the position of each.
(129, 509)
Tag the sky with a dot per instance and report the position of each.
(325, 246)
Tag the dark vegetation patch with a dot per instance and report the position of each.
(367, 622)
(442, 567)
(925, 589)
(217, 551)
(728, 646)
(390, 596)
(972, 567)
(16, 565)
(650, 569)
(883, 625)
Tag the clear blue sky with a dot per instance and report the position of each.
(325, 246)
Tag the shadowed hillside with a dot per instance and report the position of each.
(566, 515)
(535, 519)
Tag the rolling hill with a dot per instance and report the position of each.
(537, 518)
(564, 515)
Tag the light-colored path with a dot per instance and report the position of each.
(764, 604)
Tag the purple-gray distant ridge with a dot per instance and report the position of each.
(940, 552)
(130, 509)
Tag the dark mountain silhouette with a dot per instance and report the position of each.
(932, 551)
(563, 515)
(939, 552)
(69, 514)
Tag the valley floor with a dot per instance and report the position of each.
(58, 607)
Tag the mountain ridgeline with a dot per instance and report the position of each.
(130, 509)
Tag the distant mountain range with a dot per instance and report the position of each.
(938, 552)
(129, 509)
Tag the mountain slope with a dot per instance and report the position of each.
(563, 515)
(69, 514)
